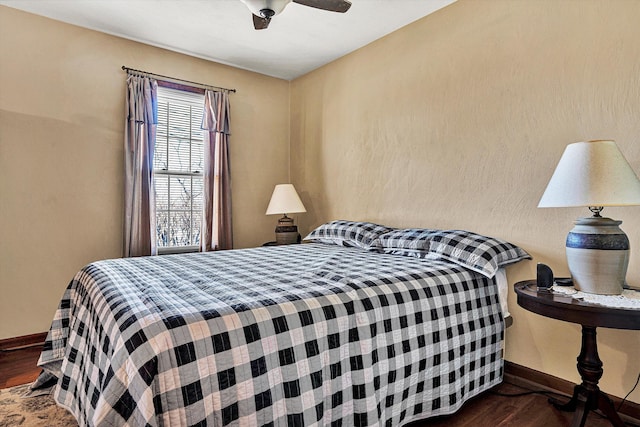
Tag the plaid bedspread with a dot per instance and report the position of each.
(296, 335)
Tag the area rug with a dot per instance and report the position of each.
(18, 409)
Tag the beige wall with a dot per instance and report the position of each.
(459, 119)
(61, 154)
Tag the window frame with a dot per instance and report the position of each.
(164, 250)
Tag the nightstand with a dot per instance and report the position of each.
(274, 243)
(586, 396)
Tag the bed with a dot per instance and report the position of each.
(349, 330)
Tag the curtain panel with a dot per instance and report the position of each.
(217, 227)
(139, 144)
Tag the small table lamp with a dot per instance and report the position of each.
(285, 200)
(594, 174)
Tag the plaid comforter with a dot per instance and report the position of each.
(294, 335)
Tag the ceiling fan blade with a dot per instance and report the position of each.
(331, 5)
(260, 23)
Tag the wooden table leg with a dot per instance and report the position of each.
(587, 396)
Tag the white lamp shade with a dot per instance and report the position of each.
(593, 173)
(285, 200)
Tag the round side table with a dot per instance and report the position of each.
(587, 396)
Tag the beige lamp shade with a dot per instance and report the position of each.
(285, 200)
(593, 173)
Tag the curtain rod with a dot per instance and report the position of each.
(201, 85)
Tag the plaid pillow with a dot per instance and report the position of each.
(482, 254)
(349, 233)
(413, 242)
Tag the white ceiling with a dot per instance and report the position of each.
(298, 40)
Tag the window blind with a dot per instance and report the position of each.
(178, 166)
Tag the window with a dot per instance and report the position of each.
(178, 165)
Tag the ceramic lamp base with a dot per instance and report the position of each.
(598, 255)
(286, 232)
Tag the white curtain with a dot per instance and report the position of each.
(139, 144)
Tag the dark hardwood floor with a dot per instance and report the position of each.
(19, 366)
(491, 409)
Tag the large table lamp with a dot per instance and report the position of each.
(594, 174)
(285, 200)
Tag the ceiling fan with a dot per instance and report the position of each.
(264, 10)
